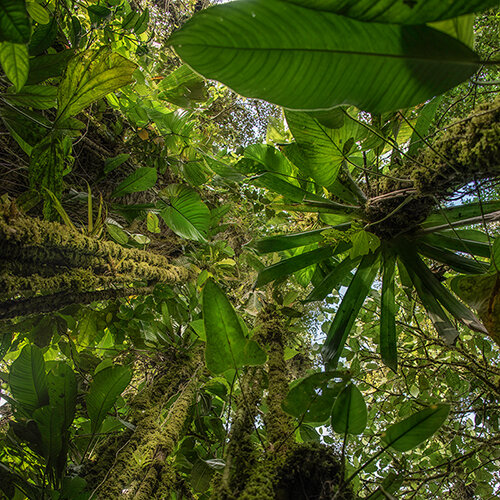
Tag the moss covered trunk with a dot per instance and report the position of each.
(45, 266)
(137, 466)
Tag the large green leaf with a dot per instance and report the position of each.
(288, 241)
(437, 315)
(104, 390)
(424, 121)
(311, 398)
(14, 22)
(48, 66)
(27, 379)
(349, 308)
(50, 424)
(454, 261)
(61, 382)
(15, 63)
(343, 188)
(141, 179)
(90, 76)
(35, 96)
(398, 11)
(415, 429)
(462, 240)
(333, 279)
(46, 171)
(227, 347)
(349, 414)
(459, 214)
(307, 60)
(185, 214)
(388, 341)
(288, 266)
(324, 148)
(182, 87)
(43, 37)
(414, 264)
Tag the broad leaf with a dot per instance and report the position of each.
(293, 264)
(398, 11)
(15, 25)
(349, 308)
(90, 76)
(141, 179)
(182, 87)
(323, 148)
(111, 163)
(349, 414)
(35, 96)
(388, 341)
(48, 66)
(227, 347)
(185, 213)
(414, 430)
(312, 397)
(459, 215)
(37, 12)
(50, 424)
(467, 241)
(363, 242)
(288, 241)
(319, 60)
(15, 63)
(46, 171)
(104, 390)
(27, 379)
(454, 261)
(43, 37)
(61, 383)
(424, 121)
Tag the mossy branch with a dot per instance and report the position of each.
(42, 257)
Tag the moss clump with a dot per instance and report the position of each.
(262, 483)
(240, 453)
(468, 150)
(311, 471)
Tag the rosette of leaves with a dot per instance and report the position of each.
(378, 198)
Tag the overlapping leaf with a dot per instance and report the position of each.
(414, 430)
(227, 347)
(319, 60)
(90, 76)
(185, 213)
(399, 11)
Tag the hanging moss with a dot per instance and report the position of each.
(53, 302)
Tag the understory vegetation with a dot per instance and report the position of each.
(249, 249)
